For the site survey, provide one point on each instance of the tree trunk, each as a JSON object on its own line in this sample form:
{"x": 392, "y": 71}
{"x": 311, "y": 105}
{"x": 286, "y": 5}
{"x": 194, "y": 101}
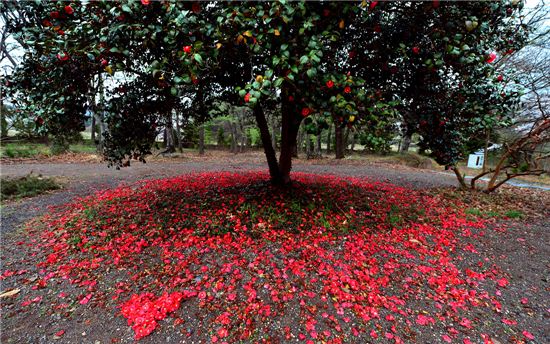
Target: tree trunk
{"x": 459, "y": 177}
{"x": 290, "y": 124}
{"x": 309, "y": 148}
{"x": 233, "y": 138}
{"x": 100, "y": 115}
{"x": 406, "y": 142}
{"x": 352, "y": 147}
{"x": 339, "y": 144}
{"x": 274, "y": 131}
{"x": 178, "y": 133}
{"x": 269, "y": 149}
{"x": 486, "y": 150}
{"x": 169, "y": 135}
{"x": 92, "y": 129}
{"x": 299, "y": 148}
{"x": 318, "y": 146}
{"x": 346, "y": 139}
{"x": 329, "y": 138}
{"x": 201, "y": 139}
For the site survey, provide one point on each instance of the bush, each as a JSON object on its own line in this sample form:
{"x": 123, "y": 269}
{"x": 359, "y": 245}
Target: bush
{"x": 414, "y": 160}
{"x": 26, "y": 186}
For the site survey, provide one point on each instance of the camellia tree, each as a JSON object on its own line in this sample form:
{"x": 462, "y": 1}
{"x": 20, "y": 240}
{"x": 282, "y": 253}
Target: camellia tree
{"x": 338, "y": 61}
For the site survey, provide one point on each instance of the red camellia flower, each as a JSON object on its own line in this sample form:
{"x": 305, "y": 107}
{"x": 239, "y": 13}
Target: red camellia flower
{"x": 373, "y": 5}
{"x": 416, "y": 50}
{"x": 196, "y": 8}
{"x": 63, "y": 56}
{"x": 145, "y": 2}
{"x": 39, "y": 120}
{"x": 187, "y": 49}
{"x": 347, "y": 89}
{"x": 46, "y": 22}
{"x": 247, "y": 97}
{"x": 306, "y": 112}
{"x": 290, "y": 98}
{"x": 104, "y": 62}
{"x": 69, "y": 9}
{"x": 492, "y": 57}
{"x": 54, "y": 14}
{"x": 500, "y": 78}
{"x": 330, "y": 84}
{"x": 435, "y": 3}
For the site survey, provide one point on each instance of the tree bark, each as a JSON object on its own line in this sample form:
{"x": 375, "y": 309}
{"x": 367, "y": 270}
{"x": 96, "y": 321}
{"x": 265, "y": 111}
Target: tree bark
{"x": 267, "y": 143}
{"x": 352, "y": 147}
{"x": 92, "y": 129}
{"x": 274, "y": 131}
{"x": 406, "y": 142}
{"x": 318, "y": 146}
{"x": 459, "y": 177}
{"x": 233, "y": 130}
{"x": 486, "y": 149}
{"x": 339, "y": 144}
{"x": 309, "y": 148}
{"x": 329, "y": 138}
{"x": 290, "y": 124}
{"x": 201, "y": 139}
{"x": 169, "y": 135}
{"x": 178, "y": 133}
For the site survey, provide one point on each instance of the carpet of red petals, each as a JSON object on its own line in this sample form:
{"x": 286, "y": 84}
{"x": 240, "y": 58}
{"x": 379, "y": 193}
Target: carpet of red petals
{"x": 228, "y": 257}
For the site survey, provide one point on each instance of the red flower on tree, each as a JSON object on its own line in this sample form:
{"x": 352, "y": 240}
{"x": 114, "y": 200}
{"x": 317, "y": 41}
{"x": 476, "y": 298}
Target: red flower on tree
{"x": 63, "y": 56}
{"x": 330, "y": 84}
{"x": 491, "y": 58}
{"x": 306, "y": 112}
{"x": 347, "y": 89}
{"x": 187, "y": 49}
{"x": 54, "y": 14}
{"x": 69, "y": 9}
{"x": 416, "y": 50}
{"x": 247, "y": 97}
{"x": 145, "y": 2}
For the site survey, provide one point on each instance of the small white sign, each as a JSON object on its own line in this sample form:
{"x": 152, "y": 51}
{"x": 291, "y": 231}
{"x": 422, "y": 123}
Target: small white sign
{"x": 475, "y": 161}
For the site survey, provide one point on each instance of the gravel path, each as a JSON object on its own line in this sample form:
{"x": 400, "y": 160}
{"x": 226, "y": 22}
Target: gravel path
{"x": 83, "y": 179}
{"x": 522, "y": 249}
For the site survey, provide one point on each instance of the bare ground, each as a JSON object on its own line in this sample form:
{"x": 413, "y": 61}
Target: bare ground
{"x": 522, "y": 250}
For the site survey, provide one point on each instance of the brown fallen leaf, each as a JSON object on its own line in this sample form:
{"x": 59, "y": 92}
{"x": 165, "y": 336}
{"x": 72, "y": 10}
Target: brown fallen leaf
{"x": 10, "y": 293}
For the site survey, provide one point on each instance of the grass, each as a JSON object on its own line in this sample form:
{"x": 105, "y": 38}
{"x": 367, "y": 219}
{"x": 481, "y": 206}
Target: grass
{"x": 27, "y": 186}
{"x": 34, "y": 150}
{"x": 512, "y": 214}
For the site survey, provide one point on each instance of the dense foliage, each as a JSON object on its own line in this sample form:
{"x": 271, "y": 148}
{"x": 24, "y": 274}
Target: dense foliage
{"x": 340, "y": 61}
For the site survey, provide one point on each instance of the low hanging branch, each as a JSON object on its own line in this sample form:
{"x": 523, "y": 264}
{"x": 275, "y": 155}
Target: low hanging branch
{"x": 518, "y": 159}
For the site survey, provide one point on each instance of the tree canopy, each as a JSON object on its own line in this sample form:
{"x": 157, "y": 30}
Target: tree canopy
{"x": 350, "y": 63}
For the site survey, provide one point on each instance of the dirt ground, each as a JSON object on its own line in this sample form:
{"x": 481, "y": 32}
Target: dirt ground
{"x": 522, "y": 250}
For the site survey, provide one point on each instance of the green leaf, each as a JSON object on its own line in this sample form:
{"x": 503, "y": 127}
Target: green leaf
{"x": 198, "y": 58}
{"x": 174, "y": 91}
{"x": 278, "y": 82}
{"x": 311, "y": 73}
{"x": 126, "y": 8}
{"x": 304, "y": 59}
{"x": 242, "y": 93}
